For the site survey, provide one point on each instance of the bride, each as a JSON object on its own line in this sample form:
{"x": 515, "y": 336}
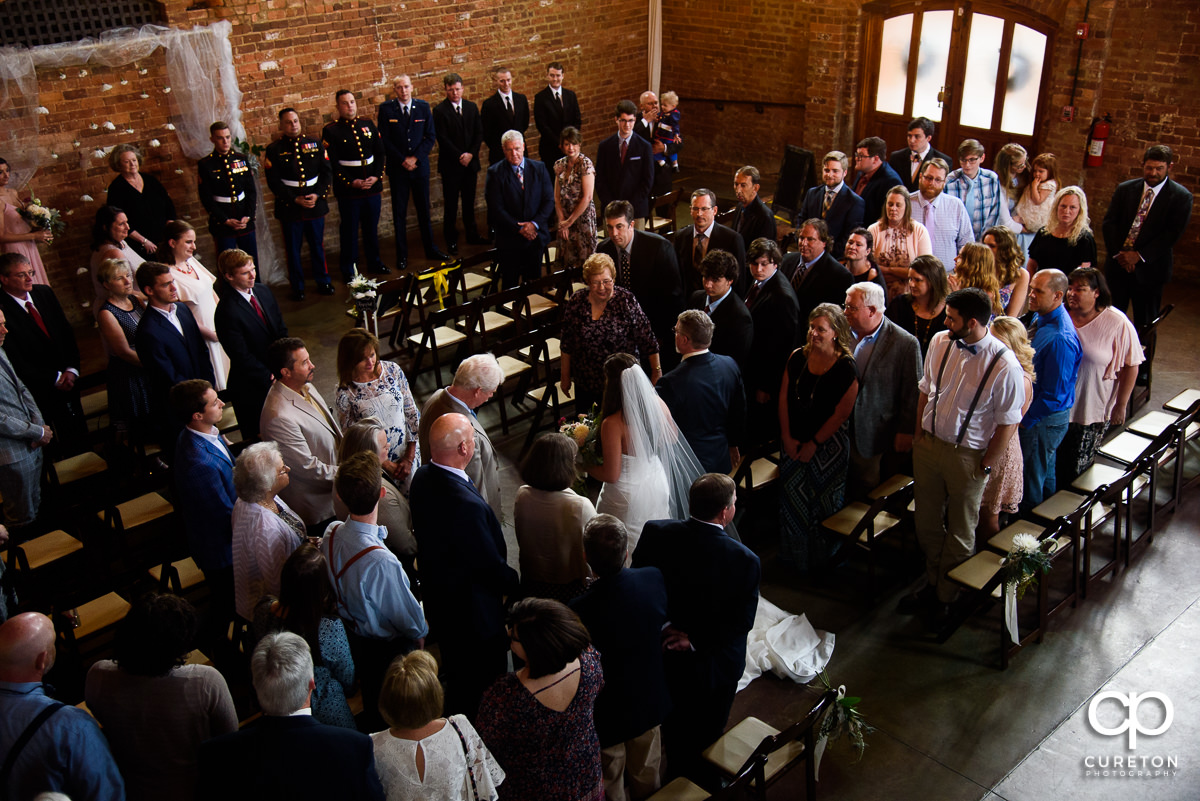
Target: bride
{"x": 648, "y": 467}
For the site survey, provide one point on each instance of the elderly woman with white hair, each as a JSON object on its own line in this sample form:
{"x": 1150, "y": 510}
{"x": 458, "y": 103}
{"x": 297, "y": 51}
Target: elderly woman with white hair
{"x": 475, "y": 381}
{"x": 265, "y": 530}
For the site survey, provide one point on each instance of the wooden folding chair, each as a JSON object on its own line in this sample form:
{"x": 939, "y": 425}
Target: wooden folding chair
{"x": 864, "y": 523}
{"x": 1148, "y": 334}
{"x": 668, "y": 204}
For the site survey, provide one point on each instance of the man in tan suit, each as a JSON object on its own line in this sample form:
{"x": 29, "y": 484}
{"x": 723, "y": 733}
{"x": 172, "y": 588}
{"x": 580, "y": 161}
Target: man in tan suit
{"x": 475, "y": 381}
{"x": 297, "y": 417}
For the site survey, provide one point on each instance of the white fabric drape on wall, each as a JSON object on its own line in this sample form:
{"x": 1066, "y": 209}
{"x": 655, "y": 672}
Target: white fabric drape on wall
{"x": 203, "y": 84}
{"x": 654, "y": 44}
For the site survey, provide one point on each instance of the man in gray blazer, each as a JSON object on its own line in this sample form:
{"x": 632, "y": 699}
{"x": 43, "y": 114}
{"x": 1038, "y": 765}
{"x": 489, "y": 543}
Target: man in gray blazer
{"x": 22, "y": 435}
{"x": 297, "y": 417}
{"x": 475, "y": 381}
{"x": 889, "y": 368}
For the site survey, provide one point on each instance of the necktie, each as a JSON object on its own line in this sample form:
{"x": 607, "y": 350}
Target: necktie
{"x": 37, "y": 317}
{"x": 508, "y": 105}
{"x": 699, "y": 249}
{"x": 624, "y": 270}
{"x": 558, "y": 100}
{"x": 972, "y": 349}
{"x": 928, "y": 220}
{"x": 708, "y": 308}
{"x": 916, "y": 165}
{"x": 753, "y": 293}
{"x": 1143, "y": 210}
{"x": 257, "y": 308}
{"x": 521, "y": 177}
{"x": 624, "y": 147}
{"x": 458, "y": 109}
{"x": 827, "y": 204}
{"x": 860, "y": 184}
{"x": 321, "y": 410}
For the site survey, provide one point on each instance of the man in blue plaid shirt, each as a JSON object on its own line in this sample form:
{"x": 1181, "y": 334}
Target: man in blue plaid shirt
{"x": 977, "y": 188}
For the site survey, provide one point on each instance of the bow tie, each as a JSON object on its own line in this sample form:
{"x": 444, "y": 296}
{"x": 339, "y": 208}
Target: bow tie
{"x": 972, "y": 349}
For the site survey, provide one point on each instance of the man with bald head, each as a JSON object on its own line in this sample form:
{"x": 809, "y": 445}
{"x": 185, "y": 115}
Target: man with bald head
{"x": 51, "y": 746}
{"x": 464, "y": 569}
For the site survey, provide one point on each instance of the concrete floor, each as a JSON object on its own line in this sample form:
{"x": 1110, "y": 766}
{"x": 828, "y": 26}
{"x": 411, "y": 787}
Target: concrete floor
{"x": 949, "y": 724}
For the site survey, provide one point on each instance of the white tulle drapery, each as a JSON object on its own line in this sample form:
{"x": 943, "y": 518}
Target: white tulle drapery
{"x": 203, "y": 85}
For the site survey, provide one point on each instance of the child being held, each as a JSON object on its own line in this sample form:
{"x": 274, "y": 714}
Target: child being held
{"x": 667, "y": 130}
{"x": 1033, "y": 209}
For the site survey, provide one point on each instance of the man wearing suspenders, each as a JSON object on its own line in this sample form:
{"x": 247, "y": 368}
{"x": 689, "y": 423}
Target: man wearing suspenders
{"x": 969, "y": 406}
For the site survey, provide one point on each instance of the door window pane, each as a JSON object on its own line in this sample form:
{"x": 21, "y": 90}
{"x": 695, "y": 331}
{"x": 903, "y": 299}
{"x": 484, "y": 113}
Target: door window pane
{"x": 983, "y": 60}
{"x": 1024, "y": 80}
{"x": 932, "y": 59}
{"x": 893, "y": 64}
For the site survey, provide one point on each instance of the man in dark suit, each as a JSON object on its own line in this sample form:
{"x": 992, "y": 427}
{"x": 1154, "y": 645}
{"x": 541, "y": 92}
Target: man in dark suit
{"x": 273, "y": 758}
{"x": 22, "y": 437}
{"x": 625, "y": 164}
{"x": 1139, "y": 241}
{"x": 464, "y": 569}
{"x": 705, "y": 394}
{"x": 834, "y": 202}
{"x": 907, "y": 161}
{"x": 406, "y": 125}
{"x": 459, "y": 135}
{"x": 888, "y": 359}
{"x": 694, "y": 242}
{"x": 712, "y": 597}
{"x": 504, "y": 111}
{"x": 554, "y": 108}
{"x": 648, "y": 111}
{"x": 874, "y": 178}
{"x": 625, "y": 610}
{"x": 646, "y": 266}
{"x": 816, "y": 276}
{"x": 41, "y": 346}
{"x": 520, "y": 200}
{"x": 776, "y": 312}
{"x": 247, "y": 322}
{"x": 734, "y": 332}
{"x": 753, "y": 219}
{"x": 204, "y": 496}
{"x": 170, "y": 347}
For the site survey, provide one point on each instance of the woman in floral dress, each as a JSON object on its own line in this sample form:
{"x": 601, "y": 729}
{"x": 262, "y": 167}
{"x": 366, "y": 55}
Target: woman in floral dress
{"x": 574, "y": 184}
{"x": 369, "y": 387}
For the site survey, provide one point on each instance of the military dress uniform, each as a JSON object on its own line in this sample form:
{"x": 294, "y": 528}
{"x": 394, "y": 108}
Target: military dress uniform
{"x": 229, "y": 191}
{"x": 298, "y": 167}
{"x": 406, "y": 135}
{"x": 355, "y": 151}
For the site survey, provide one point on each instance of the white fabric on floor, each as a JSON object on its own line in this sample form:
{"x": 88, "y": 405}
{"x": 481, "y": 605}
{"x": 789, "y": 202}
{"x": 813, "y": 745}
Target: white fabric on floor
{"x": 786, "y": 645}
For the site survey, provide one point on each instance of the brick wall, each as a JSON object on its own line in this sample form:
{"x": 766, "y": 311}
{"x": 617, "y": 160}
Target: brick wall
{"x": 1141, "y": 64}
{"x": 294, "y": 53}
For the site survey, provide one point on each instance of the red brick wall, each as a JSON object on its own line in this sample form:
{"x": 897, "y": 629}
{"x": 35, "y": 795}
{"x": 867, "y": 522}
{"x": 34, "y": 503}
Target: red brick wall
{"x": 298, "y": 54}
{"x": 1141, "y": 64}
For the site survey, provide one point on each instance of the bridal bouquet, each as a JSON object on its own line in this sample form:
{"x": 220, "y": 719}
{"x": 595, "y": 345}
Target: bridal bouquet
{"x": 585, "y": 430}
{"x": 41, "y": 218}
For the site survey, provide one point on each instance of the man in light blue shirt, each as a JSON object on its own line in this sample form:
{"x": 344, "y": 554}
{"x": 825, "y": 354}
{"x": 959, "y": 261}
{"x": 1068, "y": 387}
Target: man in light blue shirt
{"x": 374, "y": 600}
{"x": 65, "y": 752}
{"x": 941, "y": 213}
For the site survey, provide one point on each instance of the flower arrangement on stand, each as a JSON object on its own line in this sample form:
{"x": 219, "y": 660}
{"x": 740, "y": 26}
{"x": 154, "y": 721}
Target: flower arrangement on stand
{"x": 42, "y": 218}
{"x": 364, "y": 293}
{"x": 585, "y": 430}
{"x": 1028, "y": 559}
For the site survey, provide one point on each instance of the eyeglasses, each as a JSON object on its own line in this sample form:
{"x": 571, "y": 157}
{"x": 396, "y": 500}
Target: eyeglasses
{"x": 851, "y": 309}
{"x": 603, "y": 284}
{"x": 701, "y": 208}
{"x": 283, "y": 471}
{"x": 26, "y": 274}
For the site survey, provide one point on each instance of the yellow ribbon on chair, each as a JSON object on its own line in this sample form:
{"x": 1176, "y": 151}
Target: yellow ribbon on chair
{"x": 441, "y": 284}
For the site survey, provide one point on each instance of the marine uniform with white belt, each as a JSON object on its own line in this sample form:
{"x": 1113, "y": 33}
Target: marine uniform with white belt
{"x": 356, "y": 154}
{"x": 229, "y": 192}
{"x": 298, "y": 174}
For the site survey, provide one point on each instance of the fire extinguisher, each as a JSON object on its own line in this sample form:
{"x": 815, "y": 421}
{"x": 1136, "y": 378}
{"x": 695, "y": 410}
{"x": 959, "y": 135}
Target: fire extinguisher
{"x": 1097, "y": 136}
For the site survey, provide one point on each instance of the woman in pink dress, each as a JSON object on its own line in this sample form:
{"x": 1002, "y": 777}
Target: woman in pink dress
{"x": 195, "y": 285}
{"x": 16, "y": 235}
{"x": 1005, "y": 485}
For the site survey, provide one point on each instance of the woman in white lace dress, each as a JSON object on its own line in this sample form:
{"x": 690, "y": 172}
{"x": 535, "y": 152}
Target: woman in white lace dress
{"x": 648, "y": 466}
{"x": 423, "y": 755}
{"x": 370, "y": 387}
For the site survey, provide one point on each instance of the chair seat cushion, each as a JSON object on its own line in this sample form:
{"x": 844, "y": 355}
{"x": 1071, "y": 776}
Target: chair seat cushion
{"x": 735, "y": 746}
{"x": 1003, "y": 540}
{"x": 442, "y": 336}
{"x": 977, "y": 571}
{"x": 891, "y": 486}
{"x": 142, "y": 510}
{"x": 1125, "y": 448}
{"x": 1182, "y": 401}
{"x": 1151, "y": 424}
{"x": 50, "y": 547}
{"x": 189, "y": 572}
{"x": 101, "y": 613}
{"x": 681, "y": 789}
{"x": 845, "y": 520}
{"x": 79, "y": 467}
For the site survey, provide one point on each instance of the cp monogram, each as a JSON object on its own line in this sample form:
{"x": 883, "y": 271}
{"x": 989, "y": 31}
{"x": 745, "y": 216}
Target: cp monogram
{"x": 1132, "y": 723}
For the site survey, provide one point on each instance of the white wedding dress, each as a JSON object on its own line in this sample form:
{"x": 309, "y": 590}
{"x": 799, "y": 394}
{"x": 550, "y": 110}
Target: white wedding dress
{"x": 659, "y": 469}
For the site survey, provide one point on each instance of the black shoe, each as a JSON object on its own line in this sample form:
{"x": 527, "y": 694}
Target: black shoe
{"x": 379, "y": 268}
{"x": 478, "y": 240}
{"x": 437, "y": 255}
{"x": 326, "y": 289}
{"x": 401, "y": 265}
{"x": 452, "y": 247}
{"x": 917, "y": 602}
{"x": 297, "y": 294}
{"x": 1143, "y": 379}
